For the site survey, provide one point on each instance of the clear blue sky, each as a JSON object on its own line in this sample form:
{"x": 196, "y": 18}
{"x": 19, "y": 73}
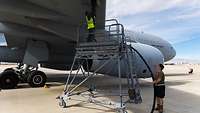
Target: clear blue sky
{"x": 177, "y": 21}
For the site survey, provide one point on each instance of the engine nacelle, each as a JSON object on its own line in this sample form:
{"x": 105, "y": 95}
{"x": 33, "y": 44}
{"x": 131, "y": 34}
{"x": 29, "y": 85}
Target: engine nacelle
{"x": 151, "y": 55}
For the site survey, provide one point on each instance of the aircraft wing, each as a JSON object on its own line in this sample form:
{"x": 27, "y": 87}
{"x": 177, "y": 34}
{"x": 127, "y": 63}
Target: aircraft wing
{"x": 45, "y": 32}
{"x": 57, "y": 22}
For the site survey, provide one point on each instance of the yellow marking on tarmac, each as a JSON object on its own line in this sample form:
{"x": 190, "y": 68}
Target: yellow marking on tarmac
{"x": 46, "y": 86}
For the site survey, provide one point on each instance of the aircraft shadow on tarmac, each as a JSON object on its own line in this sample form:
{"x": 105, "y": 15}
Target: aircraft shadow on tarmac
{"x": 83, "y": 104}
{"x": 178, "y": 74}
{"x": 168, "y": 83}
{"x": 104, "y": 83}
{"x": 54, "y": 80}
{"x": 104, "y": 87}
{"x": 188, "y": 100}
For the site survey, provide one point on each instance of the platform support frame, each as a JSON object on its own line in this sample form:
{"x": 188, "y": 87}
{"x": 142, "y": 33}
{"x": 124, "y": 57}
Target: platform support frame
{"x": 85, "y": 51}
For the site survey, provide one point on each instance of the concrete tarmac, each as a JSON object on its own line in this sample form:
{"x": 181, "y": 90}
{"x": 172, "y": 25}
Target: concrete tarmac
{"x": 182, "y": 94}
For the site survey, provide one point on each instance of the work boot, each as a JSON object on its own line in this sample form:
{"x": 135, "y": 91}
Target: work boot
{"x": 161, "y": 109}
{"x": 158, "y": 107}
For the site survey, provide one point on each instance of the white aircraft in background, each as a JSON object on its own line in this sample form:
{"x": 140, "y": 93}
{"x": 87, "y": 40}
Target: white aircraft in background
{"x": 45, "y": 32}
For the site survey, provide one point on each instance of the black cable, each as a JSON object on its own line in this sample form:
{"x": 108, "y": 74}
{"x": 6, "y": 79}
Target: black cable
{"x": 154, "y": 98}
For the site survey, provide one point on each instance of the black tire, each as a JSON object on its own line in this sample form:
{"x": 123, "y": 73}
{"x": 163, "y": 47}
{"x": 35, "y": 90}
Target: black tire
{"x": 9, "y": 69}
{"x": 37, "y": 79}
{"x": 9, "y": 80}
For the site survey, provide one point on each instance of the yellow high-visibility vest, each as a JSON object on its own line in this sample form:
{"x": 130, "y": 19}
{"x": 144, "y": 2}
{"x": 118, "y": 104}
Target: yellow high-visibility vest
{"x": 90, "y": 23}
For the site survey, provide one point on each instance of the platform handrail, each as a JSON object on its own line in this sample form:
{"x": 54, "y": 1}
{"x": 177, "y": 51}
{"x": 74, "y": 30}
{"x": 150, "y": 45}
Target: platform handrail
{"x": 112, "y": 20}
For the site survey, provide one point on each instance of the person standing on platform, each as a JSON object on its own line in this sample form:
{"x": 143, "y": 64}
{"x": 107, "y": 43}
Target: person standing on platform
{"x": 90, "y": 19}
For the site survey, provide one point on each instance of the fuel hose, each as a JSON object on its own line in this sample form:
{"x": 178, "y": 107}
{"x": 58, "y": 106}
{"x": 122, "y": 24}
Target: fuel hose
{"x": 152, "y": 76}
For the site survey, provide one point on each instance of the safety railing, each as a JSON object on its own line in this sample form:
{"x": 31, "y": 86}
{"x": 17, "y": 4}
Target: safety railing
{"x": 111, "y": 47}
{"x": 113, "y": 32}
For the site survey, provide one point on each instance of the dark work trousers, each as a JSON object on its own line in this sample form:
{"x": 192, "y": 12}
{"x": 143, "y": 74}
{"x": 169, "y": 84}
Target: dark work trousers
{"x": 91, "y": 35}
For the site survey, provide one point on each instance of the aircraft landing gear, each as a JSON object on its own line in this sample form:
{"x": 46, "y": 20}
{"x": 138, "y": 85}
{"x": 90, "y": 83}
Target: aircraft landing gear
{"x": 37, "y": 79}
{"x": 9, "y": 69}
{"x": 10, "y": 77}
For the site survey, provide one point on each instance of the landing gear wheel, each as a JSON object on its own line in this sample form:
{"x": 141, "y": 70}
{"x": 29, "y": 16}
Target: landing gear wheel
{"x": 37, "y": 79}
{"x": 9, "y": 79}
{"x": 9, "y": 69}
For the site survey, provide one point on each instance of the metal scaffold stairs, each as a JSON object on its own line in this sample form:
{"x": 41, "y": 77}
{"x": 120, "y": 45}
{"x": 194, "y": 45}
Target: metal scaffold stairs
{"x": 112, "y": 45}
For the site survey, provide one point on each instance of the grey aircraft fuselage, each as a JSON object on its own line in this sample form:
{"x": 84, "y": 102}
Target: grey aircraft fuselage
{"x": 56, "y": 24}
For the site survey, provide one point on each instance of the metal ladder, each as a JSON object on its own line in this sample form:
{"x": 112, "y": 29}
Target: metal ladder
{"x": 114, "y": 48}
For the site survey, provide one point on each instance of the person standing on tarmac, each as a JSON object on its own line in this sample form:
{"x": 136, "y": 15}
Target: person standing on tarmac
{"x": 159, "y": 87}
{"x": 90, "y": 19}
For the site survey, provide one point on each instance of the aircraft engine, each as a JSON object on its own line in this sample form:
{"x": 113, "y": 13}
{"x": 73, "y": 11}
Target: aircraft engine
{"x": 149, "y": 54}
